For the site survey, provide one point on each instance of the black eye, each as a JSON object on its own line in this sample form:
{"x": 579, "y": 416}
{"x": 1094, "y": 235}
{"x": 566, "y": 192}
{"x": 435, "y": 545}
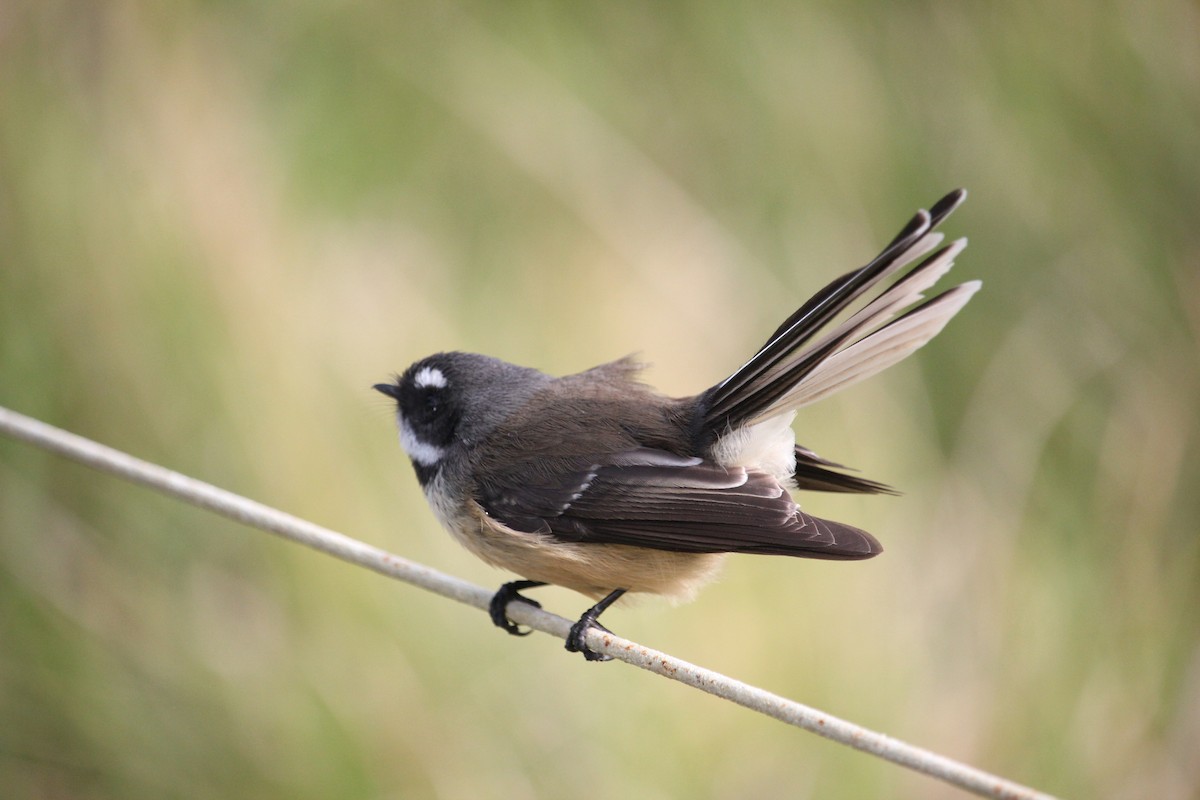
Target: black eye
{"x": 432, "y": 403}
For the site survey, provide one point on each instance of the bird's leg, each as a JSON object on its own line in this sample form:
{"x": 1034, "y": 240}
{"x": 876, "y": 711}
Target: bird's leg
{"x": 577, "y": 638}
{"x": 505, "y": 595}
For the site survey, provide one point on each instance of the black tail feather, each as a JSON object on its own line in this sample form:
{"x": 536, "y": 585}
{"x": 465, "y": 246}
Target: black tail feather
{"x": 745, "y": 393}
{"x": 814, "y": 474}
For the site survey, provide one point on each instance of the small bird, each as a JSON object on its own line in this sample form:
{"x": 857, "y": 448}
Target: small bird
{"x": 598, "y": 483}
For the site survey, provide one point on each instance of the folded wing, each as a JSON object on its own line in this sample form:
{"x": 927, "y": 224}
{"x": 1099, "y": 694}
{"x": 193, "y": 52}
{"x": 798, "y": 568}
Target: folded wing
{"x": 651, "y": 498}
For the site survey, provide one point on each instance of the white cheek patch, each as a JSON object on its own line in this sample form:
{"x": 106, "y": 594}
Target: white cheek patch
{"x": 419, "y": 450}
{"x": 429, "y": 376}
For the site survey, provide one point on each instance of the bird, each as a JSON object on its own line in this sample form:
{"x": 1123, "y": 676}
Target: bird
{"x": 596, "y": 482}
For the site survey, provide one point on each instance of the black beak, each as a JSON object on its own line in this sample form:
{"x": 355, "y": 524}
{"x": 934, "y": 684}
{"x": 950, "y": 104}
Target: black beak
{"x": 390, "y": 389}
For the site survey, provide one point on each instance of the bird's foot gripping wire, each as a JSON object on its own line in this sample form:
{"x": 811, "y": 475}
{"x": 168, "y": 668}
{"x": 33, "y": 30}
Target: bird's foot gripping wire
{"x": 577, "y": 638}
{"x": 498, "y": 608}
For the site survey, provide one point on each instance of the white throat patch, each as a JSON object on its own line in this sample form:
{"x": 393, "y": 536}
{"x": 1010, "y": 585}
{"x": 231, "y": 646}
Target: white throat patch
{"x": 418, "y": 450}
{"x": 429, "y": 376}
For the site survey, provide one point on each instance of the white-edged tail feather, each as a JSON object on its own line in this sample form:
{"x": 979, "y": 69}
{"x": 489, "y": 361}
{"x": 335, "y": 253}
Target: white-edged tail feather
{"x": 843, "y": 334}
{"x": 876, "y": 352}
{"x": 875, "y": 339}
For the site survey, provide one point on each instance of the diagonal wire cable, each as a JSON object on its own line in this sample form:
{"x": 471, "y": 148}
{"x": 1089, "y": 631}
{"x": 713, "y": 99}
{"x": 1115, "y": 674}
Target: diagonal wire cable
{"x": 263, "y": 517}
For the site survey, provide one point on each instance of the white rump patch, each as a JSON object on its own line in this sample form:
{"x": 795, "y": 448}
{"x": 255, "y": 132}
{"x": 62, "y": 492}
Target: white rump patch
{"x": 430, "y": 376}
{"x": 768, "y": 446}
{"x": 418, "y": 450}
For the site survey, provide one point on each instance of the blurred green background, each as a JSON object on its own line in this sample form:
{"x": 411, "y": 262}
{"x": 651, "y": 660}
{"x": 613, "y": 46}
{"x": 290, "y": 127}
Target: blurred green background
{"x": 220, "y": 222}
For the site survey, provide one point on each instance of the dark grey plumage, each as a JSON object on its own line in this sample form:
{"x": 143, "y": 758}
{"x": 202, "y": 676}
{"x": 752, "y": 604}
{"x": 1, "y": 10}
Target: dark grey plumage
{"x": 595, "y": 482}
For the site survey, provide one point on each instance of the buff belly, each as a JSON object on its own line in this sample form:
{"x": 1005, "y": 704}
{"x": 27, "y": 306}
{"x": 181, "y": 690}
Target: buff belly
{"x": 590, "y": 569}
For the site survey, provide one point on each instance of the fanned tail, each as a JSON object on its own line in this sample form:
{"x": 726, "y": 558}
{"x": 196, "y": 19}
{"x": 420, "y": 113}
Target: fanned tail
{"x": 800, "y": 364}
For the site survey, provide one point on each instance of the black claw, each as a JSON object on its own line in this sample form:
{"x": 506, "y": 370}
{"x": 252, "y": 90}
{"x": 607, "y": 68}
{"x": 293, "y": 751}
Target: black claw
{"x": 510, "y": 591}
{"x": 577, "y": 638}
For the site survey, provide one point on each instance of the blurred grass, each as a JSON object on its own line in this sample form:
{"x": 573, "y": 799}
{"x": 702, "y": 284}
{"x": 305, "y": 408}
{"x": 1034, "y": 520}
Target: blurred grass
{"x": 220, "y": 222}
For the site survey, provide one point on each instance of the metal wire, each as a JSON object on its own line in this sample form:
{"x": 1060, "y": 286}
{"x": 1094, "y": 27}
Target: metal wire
{"x": 257, "y": 515}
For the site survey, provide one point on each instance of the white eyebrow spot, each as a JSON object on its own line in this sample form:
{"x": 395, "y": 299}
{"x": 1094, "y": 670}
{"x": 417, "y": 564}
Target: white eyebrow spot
{"x": 429, "y": 376}
{"x": 418, "y": 449}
